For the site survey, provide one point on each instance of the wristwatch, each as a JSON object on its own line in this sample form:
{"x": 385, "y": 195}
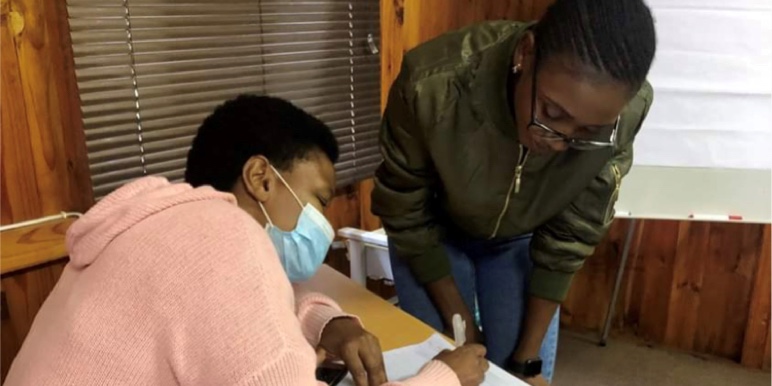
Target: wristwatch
{"x": 527, "y": 369}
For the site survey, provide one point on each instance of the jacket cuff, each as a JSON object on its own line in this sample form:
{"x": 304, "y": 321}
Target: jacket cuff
{"x": 550, "y": 285}
{"x": 431, "y": 266}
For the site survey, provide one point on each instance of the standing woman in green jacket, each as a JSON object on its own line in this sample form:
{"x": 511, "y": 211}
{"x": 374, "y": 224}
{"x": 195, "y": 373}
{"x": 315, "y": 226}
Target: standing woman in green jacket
{"x": 504, "y": 147}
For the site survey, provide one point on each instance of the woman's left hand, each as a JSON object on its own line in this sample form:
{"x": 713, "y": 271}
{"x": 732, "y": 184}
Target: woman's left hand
{"x": 360, "y": 351}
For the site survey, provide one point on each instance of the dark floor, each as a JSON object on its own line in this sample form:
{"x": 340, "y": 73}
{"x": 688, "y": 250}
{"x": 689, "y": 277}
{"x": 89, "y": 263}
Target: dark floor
{"x": 581, "y": 362}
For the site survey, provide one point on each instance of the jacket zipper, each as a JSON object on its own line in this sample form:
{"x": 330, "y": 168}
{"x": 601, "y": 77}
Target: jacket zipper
{"x": 617, "y": 187}
{"x": 513, "y": 186}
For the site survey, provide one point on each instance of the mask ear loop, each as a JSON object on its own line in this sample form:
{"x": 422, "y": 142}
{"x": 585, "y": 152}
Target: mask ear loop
{"x": 288, "y": 187}
{"x": 265, "y": 213}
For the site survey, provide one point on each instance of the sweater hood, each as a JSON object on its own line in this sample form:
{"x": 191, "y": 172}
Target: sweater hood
{"x": 126, "y": 207}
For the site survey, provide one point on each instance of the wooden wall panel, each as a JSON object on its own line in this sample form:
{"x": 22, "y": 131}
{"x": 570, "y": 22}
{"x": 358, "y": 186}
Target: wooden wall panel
{"x": 731, "y": 265}
{"x": 756, "y": 345}
{"x": 408, "y": 23}
{"x": 351, "y": 208}
{"x": 650, "y": 273}
{"x": 699, "y": 287}
{"x": 343, "y": 210}
{"x": 685, "y": 287}
{"x": 588, "y": 307}
{"x": 392, "y": 44}
{"x": 368, "y": 221}
{"x": 44, "y": 164}
{"x": 15, "y": 160}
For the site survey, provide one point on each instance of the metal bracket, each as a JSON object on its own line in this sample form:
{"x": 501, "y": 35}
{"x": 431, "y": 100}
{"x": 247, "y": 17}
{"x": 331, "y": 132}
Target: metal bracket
{"x": 372, "y": 44}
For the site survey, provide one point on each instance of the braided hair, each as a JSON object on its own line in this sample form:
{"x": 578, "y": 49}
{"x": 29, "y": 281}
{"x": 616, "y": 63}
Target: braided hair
{"x": 615, "y": 38}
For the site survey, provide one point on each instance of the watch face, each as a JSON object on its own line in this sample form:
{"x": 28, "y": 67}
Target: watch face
{"x": 532, "y": 368}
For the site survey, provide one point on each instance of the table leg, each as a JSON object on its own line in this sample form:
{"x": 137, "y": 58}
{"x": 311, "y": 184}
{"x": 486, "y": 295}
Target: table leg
{"x": 357, "y": 263}
{"x": 618, "y": 282}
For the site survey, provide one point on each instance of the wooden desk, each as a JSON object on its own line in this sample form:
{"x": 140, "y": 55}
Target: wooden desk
{"x": 393, "y": 327}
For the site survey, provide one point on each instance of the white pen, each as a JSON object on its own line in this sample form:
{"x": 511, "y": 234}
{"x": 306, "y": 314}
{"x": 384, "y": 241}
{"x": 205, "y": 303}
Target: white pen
{"x": 459, "y": 330}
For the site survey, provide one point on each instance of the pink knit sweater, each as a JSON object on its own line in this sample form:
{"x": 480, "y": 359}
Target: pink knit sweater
{"x": 169, "y": 285}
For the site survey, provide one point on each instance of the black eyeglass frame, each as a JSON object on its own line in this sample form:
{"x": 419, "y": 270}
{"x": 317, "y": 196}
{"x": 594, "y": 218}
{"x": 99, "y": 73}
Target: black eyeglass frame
{"x": 545, "y": 131}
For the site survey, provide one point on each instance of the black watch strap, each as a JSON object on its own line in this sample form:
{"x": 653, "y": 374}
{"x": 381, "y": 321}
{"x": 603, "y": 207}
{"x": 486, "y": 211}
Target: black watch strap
{"x": 527, "y": 369}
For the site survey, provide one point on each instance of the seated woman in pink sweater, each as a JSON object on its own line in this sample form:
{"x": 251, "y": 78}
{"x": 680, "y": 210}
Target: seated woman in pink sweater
{"x": 173, "y": 284}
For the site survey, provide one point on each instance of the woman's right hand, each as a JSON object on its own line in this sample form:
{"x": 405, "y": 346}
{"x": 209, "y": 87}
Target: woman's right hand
{"x": 468, "y": 362}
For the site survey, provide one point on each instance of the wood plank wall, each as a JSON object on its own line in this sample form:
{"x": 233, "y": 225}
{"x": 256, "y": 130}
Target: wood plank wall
{"x": 698, "y": 287}
{"x": 44, "y": 168}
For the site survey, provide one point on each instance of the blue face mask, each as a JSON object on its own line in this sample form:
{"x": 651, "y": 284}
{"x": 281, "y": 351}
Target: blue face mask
{"x": 302, "y": 250}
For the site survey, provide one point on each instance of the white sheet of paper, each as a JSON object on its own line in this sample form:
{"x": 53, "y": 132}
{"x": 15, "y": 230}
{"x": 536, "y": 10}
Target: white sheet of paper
{"x": 405, "y": 362}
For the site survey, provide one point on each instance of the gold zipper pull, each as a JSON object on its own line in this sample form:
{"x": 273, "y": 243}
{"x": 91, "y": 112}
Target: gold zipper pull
{"x": 617, "y": 178}
{"x": 522, "y": 159}
{"x": 513, "y": 186}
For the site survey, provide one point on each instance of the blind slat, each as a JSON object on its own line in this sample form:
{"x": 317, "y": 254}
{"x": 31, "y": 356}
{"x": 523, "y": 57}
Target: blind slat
{"x": 303, "y": 78}
{"x": 92, "y": 39}
{"x": 219, "y": 68}
{"x": 101, "y": 168}
{"x": 172, "y": 95}
{"x": 360, "y": 147}
{"x": 153, "y": 61}
{"x": 160, "y": 119}
{"x": 112, "y": 151}
{"x": 364, "y": 141}
{"x": 371, "y": 157}
{"x": 190, "y": 46}
{"x": 351, "y": 174}
{"x": 308, "y": 95}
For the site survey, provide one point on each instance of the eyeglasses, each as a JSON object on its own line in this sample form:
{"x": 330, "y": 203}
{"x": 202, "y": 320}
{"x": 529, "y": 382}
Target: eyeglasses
{"x": 544, "y": 131}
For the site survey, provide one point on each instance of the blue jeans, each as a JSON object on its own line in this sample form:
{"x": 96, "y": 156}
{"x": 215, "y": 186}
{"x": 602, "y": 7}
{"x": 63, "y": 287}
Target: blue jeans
{"x": 493, "y": 276}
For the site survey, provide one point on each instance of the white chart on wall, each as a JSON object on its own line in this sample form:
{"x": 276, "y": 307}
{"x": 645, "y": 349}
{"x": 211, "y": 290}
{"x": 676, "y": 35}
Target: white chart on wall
{"x": 706, "y": 147}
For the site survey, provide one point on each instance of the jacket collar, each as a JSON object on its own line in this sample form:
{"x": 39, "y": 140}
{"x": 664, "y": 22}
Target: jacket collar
{"x": 489, "y": 81}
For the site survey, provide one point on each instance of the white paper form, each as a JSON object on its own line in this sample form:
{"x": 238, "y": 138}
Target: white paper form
{"x": 405, "y": 362}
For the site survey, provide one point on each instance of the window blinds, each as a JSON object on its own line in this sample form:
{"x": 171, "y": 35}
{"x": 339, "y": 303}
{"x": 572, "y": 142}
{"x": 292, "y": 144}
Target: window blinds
{"x": 150, "y": 71}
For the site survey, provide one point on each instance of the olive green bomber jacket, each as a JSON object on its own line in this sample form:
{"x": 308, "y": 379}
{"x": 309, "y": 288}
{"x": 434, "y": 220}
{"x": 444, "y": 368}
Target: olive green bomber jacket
{"x": 452, "y": 160}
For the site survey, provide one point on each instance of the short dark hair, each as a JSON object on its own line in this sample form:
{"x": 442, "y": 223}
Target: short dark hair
{"x": 251, "y": 125}
{"x": 614, "y": 37}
